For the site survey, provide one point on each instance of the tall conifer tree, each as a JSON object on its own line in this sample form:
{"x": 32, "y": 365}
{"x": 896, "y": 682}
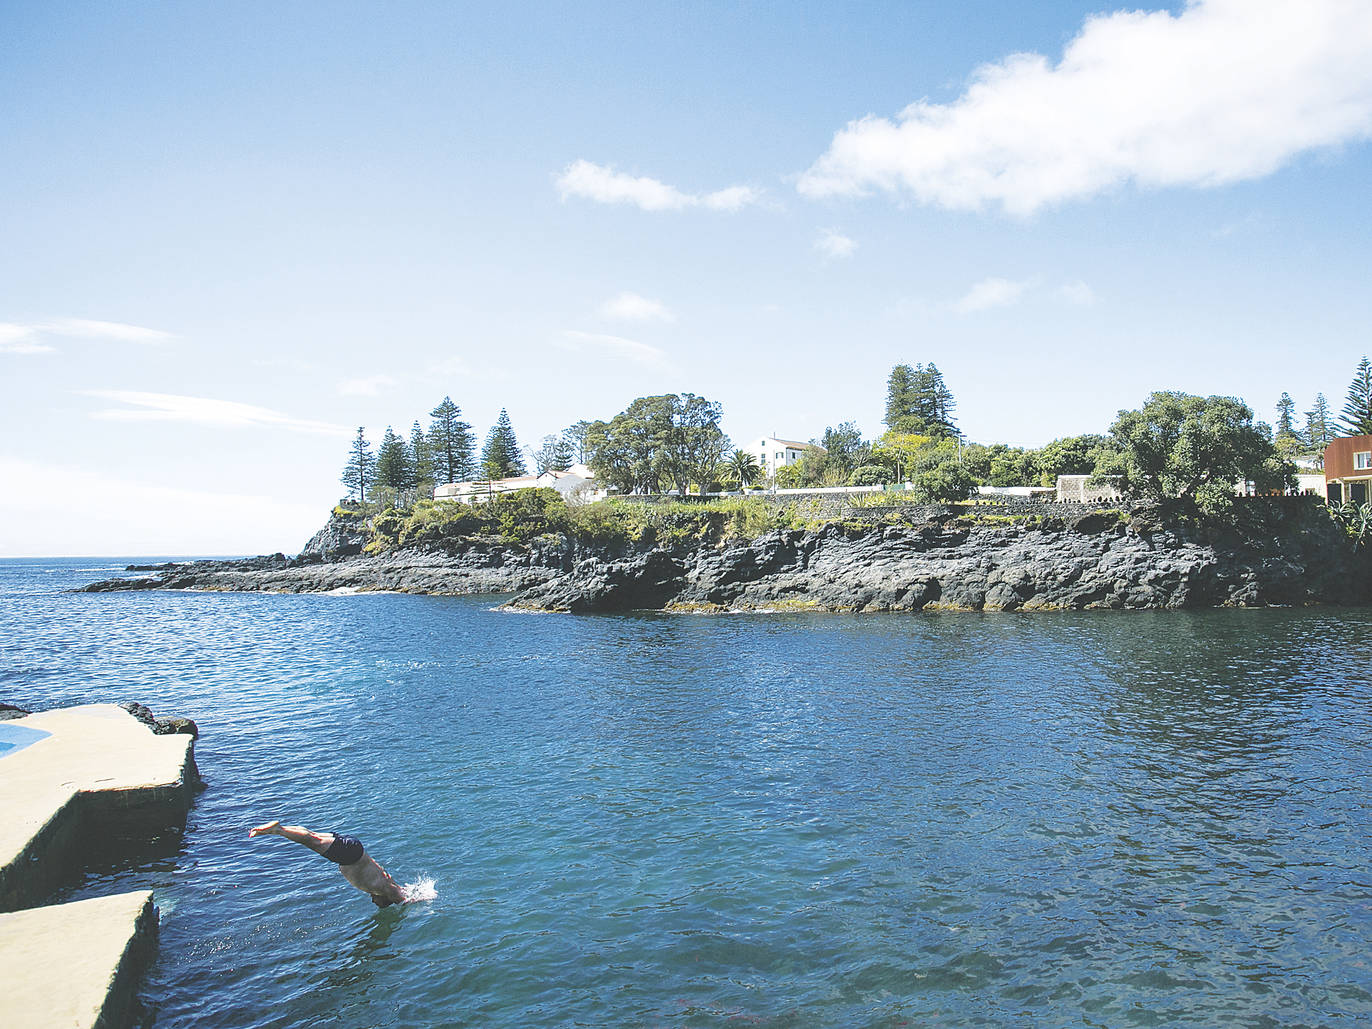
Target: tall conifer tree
{"x": 357, "y": 474}
{"x": 392, "y": 466}
{"x": 421, "y": 463}
{"x": 450, "y": 443}
{"x": 1286, "y": 410}
{"x": 500, "y": 457}
{"x": 1319, "y": 426}
{"x": 1357, "y": 408}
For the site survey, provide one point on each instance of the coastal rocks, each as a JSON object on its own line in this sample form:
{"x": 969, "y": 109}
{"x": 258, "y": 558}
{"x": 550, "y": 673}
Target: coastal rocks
{"x": 482, "y": 565}
{"x": 1095, "y": 561}
{"x": 169, "y": 725}
{"x": 343, "y": 535}
{"x": 8, "y": 712}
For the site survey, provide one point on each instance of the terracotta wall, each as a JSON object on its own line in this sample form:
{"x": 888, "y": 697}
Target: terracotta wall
{"x": 1338, "y": 457}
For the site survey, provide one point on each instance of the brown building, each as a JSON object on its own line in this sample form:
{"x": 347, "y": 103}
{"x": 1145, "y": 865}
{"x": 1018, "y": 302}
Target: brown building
{"x": 1348, "y": 470}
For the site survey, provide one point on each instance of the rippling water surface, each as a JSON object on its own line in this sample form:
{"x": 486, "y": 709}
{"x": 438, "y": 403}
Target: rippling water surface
{"x": 780, "y": 820}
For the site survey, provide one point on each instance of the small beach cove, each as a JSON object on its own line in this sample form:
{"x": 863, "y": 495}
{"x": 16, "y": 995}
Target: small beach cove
{"x": 792, "y": 818}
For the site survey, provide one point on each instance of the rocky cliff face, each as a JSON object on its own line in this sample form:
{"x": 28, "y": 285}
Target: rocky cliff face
{"x": 1283, "y": 553}
{"x": 342, "y": 536}
{"x": 1096, "y": 561}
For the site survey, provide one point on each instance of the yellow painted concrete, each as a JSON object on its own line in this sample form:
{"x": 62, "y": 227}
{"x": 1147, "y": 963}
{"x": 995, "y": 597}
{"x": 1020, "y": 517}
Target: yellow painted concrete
{"x": 73, "y": 966}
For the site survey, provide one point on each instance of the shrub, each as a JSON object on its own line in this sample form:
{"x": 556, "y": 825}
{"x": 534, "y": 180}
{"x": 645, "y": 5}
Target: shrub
{"x": 869, "y": 475}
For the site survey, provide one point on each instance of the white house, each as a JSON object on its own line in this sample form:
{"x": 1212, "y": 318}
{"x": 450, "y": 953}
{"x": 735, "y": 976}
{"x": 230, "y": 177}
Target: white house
{"x": 772, "y": 453}
{"x": 576, "y": 485}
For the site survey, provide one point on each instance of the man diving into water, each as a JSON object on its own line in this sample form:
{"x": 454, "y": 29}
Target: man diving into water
{"x": 357, "y": 866}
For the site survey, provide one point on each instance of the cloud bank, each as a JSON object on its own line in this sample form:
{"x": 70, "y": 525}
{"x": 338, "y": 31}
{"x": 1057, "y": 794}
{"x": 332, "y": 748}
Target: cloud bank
{"x": 604, "y": 185}
{"x": 616, "y": 346}
{"x": 834, "y": 244}
{"x": 1225, "y": 91}
{"x": 169, "y": 407}
{"x": 630, "y": 307}
{"x": 26, "y": 339}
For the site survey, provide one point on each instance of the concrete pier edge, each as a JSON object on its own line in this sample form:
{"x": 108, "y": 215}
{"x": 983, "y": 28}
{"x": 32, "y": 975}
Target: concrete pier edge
{"x": 98, "y": 774}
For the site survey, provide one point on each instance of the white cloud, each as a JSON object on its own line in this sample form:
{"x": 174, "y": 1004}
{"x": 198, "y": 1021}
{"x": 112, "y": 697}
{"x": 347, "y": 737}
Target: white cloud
{"x": 25, "y": 339}
{"x": 369, "y": 386}
{"x": 604, "y": 185}
{"x": 989, "y": 293}
{"x": 19, "y": 339}
{"x": 832, "y": 243}
{"x": 1077, "y": 293}
{"x": 168, "y": 407}
{"x": 1225, "y": 91}
{"x": 118, "y": 331}
{"x": 631, "y": 307}
{"x": 138, "y": 518}
{"x": 616, "y": 346}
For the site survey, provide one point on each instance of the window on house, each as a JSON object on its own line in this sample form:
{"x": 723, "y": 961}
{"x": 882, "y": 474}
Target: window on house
{"x": 1362, "y": 459}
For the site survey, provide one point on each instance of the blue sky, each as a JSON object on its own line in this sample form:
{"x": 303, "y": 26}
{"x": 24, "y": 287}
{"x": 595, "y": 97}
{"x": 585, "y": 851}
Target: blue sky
{"x": 236, "y": 232}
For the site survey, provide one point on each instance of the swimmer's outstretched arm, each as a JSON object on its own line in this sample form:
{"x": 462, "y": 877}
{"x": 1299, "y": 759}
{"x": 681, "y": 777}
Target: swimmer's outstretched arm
{"x": 317, "y": 842}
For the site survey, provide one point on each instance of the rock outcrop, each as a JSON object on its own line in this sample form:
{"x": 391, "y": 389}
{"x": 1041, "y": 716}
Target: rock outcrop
{"x": 483, "y": 565}
{"x": 343, "y": 535}
{"x": 1286, "y": 551}
{"x": 1096, "y": 561}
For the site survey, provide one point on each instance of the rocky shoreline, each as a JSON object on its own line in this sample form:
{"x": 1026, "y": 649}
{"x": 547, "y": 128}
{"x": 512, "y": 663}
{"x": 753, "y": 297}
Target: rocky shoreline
{"x": 935, "y": 558}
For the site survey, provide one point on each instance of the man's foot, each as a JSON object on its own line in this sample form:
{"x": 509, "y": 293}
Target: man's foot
{"x": 270, "y": 829}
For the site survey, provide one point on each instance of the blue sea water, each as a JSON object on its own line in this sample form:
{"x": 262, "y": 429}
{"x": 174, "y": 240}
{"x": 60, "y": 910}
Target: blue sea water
{"x": 1099, "y": 819}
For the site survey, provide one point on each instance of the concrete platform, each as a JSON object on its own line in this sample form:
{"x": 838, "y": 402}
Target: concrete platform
{"x": 100, "y": 771}
{"x": 75, "y": 965}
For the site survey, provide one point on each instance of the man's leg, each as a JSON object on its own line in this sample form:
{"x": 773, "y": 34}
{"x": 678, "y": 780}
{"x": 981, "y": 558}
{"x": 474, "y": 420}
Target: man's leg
{"x": 317, "y": 842}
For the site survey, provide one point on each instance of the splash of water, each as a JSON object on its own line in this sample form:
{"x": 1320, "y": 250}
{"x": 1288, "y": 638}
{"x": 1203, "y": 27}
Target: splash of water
{"x": 421, "y": 890}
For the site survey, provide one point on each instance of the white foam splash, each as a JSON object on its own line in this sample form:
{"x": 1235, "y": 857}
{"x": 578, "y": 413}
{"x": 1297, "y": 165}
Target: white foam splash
{"x": 421, "y": 890}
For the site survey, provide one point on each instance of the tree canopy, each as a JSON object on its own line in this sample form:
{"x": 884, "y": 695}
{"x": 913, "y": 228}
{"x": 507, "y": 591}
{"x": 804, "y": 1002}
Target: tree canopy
{"x": 671, "y": 439}
{"x": 450, "y": 443}
{"x": 392, "y": 465}
{"x": 357, "y": 473}
{"x": 919, "y": 402}
{"x": 1319, "y": 425}
{"x": 1190, "y": 448}
{"x": 500, "y": 457}
{"x": 1286, "y": 417}
{"x": 1357, "y": 408}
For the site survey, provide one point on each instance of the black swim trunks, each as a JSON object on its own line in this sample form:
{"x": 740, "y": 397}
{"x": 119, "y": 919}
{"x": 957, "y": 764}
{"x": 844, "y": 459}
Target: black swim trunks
{"x": 344, "y": 850}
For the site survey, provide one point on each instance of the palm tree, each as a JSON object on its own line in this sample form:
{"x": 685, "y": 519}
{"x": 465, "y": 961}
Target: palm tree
{"x": 743, "y": 467}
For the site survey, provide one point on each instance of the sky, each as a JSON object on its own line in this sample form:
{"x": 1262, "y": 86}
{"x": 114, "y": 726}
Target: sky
{"x": 233, "y": 233}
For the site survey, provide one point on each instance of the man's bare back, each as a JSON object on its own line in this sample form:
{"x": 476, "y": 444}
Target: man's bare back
{"x": 357, "y": 866}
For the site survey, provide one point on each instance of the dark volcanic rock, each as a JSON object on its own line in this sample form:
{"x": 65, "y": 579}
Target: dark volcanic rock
{"x": 1285, "y": 552}
{"x": 9, "y": 712}
{"x": 483, "y": 565}
{"x": 342, "y": 536}
{"x": 1095, "y": 561}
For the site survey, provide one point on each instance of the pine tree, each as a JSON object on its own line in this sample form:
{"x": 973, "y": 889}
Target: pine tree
{"x": 421, "y": 463}
{"x": 500, "y": 458}
{"x": 900, "y": 389}
{"x": 392, "y": 466}
{"x": 450, "y": 443}
{"x": 1357, "y": 409}
{"x": 918, "y": 401}
{"x": 1319, "y": 429}
{"x": 940, "y": 402}
{"x": 1286, "y": 409}
{"x": 357, "y": 474}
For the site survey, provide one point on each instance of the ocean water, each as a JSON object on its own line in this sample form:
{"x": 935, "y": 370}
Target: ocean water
{"x": 1098, "y": 819}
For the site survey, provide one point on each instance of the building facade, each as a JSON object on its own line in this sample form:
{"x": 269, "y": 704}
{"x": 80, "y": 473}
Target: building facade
{"x": 1348, "y": 470}
{"x": 576, "y": 485}
{"x": 772, "y": 453}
